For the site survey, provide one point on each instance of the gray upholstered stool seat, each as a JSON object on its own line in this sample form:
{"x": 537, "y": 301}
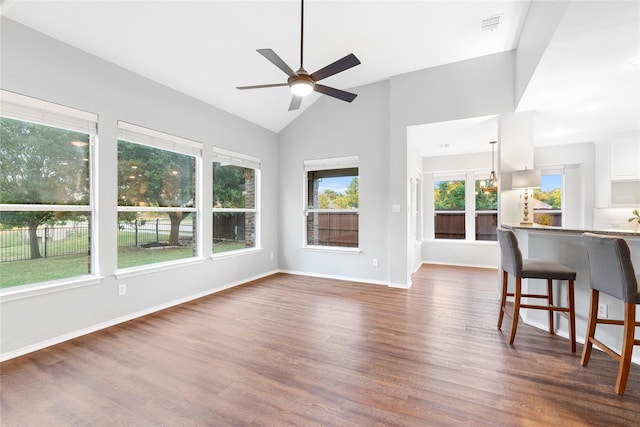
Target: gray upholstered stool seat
{"x": 611, "y": 272}
{"x": 519, "y": 268}
{"x": 538, "y": 269}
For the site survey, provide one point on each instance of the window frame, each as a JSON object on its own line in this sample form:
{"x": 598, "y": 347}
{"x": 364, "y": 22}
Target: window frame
{"x": 327, "y": 164}
{"x": 151, "y": 138}
{"x": 221, "y": 155}
{"x": 470, "y": 178}
{"x": 24, "y": 108}
{"x": 551, "y": 170}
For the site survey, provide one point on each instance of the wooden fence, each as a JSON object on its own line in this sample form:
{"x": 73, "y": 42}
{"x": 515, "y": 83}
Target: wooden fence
{"x": 333, "y": 229}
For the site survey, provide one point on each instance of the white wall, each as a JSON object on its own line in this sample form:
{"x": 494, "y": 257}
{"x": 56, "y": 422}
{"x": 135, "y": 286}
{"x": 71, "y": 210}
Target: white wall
{"x": 542, "y": 21}
{"x": 333, "y": 128}
{"x": 455, "y": 252}
{"x": 473, "y": 88}
{"x": 38, "y": 66}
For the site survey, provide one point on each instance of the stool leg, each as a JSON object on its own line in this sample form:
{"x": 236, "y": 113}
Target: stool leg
{"x": 503, "y": 298}
{"x": 627, "y": 347}
{"x": 550, "y": 302}
{"x": 572, "y": 315}
{"x": 516, "y": 309}
{"x": 591, "y": 327}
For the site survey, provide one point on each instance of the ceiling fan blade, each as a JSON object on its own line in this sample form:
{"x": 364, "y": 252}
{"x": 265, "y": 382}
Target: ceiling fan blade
{"x": 338, "y": 66}
{"x": 277, "y": 61}
{"x": 295, "y": 103}
{"x": 336, "y": 93}
{"x": 262, "y": 86}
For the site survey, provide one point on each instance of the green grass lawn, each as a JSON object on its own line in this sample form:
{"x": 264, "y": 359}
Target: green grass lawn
{"x": 16, "y": 273}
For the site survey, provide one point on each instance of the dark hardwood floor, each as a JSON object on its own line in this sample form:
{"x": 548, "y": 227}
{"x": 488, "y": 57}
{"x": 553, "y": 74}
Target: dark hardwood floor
{"x": 293, "y": 350}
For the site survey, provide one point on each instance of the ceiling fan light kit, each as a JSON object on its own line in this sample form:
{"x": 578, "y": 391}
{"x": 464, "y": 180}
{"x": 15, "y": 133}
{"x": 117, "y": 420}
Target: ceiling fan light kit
{"x": 302, "y": 83}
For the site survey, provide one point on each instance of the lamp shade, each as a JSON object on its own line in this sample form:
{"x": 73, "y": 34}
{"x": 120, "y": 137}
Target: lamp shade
{"x": 527, "y": 178}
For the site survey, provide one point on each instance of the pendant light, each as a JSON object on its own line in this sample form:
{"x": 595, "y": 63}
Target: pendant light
{"x": 491, "y": 185}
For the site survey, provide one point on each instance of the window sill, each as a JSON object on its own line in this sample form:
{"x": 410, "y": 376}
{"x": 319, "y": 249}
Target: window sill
{"x": 462, "y": 242}
{"x": 231, "y": 254}
{"x": 333, "y": 249}
{"x": 32, "y": 290}
{"x": 145, "y": 269}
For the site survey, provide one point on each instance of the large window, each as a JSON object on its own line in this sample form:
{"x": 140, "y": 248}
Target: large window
{"x": 45, "y": 191}
{"x": 235, "y": 201}
{"x": 464, "y": 209}
{"x": 547, "y": 200}
{"x": 157, "y": 198}
{"x": 449, "y": 207}
{"x": 332, "y": 202}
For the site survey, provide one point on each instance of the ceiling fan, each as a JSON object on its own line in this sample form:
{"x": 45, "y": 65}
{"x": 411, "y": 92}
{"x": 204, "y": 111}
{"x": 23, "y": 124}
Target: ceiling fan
{"x": 303, "y": 83}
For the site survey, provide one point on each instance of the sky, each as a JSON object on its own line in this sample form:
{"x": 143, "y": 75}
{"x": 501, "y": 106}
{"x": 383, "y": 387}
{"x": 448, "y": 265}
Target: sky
{"x": 338, "y": 184}
{"x": 551, "y": 182}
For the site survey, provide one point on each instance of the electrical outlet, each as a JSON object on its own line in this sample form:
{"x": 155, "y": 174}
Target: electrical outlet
{"x": 122, "y": 289}
{"x": 375, "y": 262}
{"x": 602, "y": 310}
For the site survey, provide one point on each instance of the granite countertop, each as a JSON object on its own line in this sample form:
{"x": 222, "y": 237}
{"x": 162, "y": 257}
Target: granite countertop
{"x": 538, "y": 227}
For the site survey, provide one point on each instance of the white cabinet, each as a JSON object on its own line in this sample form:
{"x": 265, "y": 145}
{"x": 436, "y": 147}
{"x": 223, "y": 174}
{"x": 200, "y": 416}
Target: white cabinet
{"x": 624, "y": 160}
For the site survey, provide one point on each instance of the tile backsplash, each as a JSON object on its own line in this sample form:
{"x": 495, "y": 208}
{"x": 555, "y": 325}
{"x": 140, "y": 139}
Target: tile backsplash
{"x": 614, "y": 219}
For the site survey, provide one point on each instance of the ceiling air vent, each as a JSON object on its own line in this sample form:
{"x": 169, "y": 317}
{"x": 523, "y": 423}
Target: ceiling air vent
{"x": 490, "y": 23}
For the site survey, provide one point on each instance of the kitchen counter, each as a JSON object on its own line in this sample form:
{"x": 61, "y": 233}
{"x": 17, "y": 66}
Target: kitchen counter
{"x": 565, "y": 245}
{"x": 537, "y": 227}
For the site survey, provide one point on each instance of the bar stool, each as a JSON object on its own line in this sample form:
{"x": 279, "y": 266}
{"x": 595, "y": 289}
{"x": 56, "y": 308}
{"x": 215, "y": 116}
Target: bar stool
{"x": 512, "y": 263}
{"x": 611, "y": 272}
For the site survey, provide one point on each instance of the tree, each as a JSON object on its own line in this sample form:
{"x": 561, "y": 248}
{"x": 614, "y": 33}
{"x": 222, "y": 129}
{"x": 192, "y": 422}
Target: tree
{"x": 552, "y": 198}
{"x": 41, "y": 165}
{"x": 352, "y": 193}
{"x": 228, "y": 186}
{"x": 449, "y": 195}
{"x": 485, "y": 200}
{"x": 150, "y": 176}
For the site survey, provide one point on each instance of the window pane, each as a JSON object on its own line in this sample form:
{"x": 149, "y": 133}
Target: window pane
{"x": 486, "y": 213}
{"x": 150, "y": 176}
{"x": 449, "y": 204}
{"x": 332, "y": 229}
{"x": 43, "y": 165}
{"x": 153, "y": 237}
{"x": 233, "y": 231}
{"x": 40, "y": 246}
{"x": 233, "y": 187}
{"x": 547, "y": 201}
{"x": 333, "y": 189}
{"x": 327, "y": 190}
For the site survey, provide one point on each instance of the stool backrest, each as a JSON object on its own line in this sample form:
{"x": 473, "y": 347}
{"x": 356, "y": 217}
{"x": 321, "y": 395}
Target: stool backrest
{"x": 610, "y": 267}
{"x": 511, "y": 254}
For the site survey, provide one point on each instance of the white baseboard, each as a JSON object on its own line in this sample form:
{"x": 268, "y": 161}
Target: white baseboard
{"x": 84, "y": 331}
{"x": 458, "y": 264}
{"x": 336, "y": 277}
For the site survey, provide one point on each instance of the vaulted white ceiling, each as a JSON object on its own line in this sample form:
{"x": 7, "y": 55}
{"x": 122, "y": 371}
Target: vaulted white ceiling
{"x": 207, "y": 48}
{"x": 584, "y": 89}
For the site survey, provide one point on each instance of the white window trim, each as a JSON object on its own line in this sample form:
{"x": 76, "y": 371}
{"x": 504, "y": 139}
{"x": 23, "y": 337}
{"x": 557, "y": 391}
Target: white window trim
{"x": 470, "y": 211}
{"x": 326, "y": 164}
